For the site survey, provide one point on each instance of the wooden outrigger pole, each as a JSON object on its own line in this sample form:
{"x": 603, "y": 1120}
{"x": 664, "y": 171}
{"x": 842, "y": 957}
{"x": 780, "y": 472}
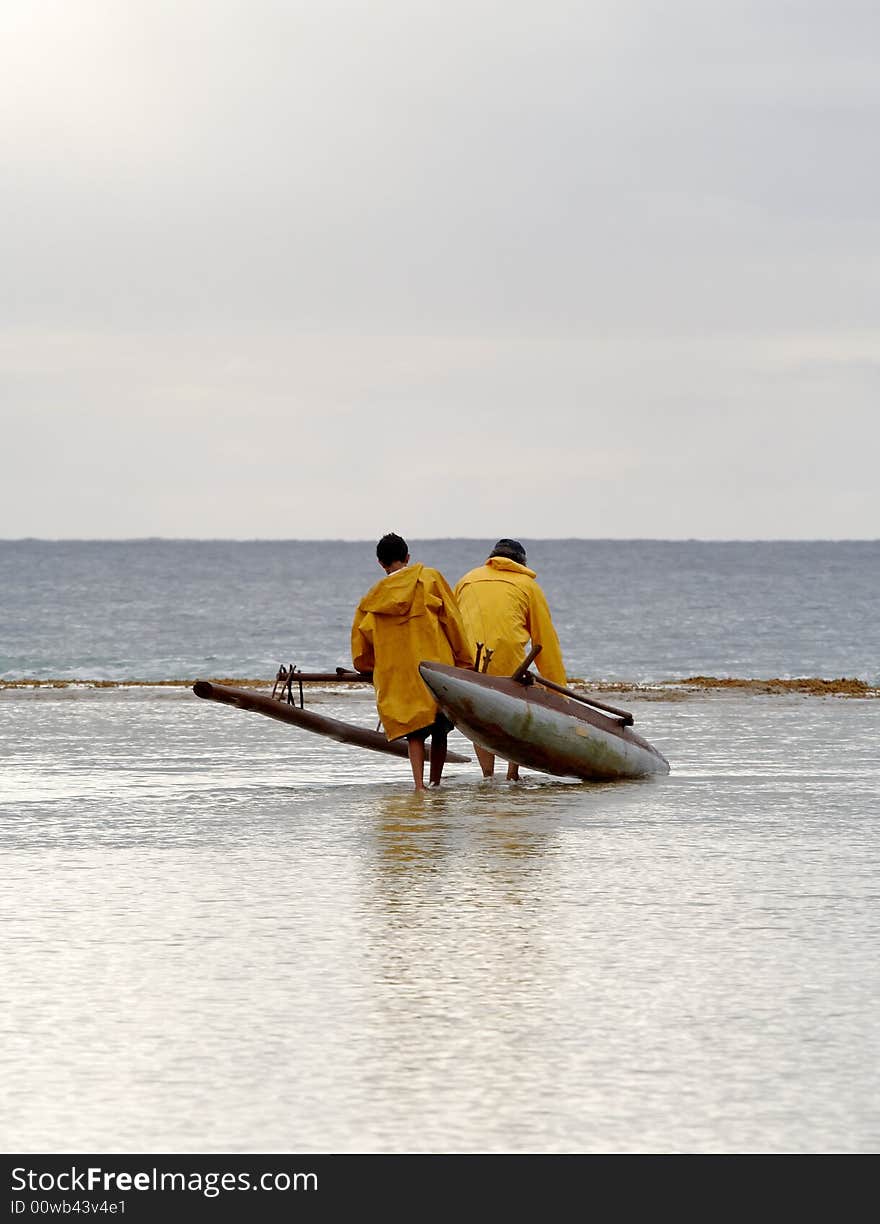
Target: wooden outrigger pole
{"x": 286, "y": 711}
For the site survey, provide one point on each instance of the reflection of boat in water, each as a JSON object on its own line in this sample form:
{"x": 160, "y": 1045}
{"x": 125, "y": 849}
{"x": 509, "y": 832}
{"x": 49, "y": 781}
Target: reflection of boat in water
{"x": 542, "y": 726}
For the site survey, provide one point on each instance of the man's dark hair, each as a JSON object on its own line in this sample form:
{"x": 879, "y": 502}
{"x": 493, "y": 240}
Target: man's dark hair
{"x": 391, "y": 548}
{"x": 512, "y": 549}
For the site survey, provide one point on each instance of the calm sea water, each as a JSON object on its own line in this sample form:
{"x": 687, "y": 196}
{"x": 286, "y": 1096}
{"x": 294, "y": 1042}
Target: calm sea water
{"x": 625, "y": 610}
{"x": 224, "y": 934}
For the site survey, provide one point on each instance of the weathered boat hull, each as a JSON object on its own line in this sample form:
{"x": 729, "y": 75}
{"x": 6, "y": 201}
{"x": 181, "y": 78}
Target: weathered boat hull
{"x": 540, "y": 729}
{"x": 283, "y": 711}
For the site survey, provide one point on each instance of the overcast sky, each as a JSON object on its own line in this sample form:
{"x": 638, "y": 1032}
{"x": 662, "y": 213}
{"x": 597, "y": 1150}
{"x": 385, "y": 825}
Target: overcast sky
{"x": 325, "y": 269}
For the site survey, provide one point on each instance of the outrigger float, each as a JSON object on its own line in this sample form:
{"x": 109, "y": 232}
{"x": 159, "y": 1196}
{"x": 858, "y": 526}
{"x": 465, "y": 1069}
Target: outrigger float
{"x": 523, "y": 718}
{"x": 282, "y": 706}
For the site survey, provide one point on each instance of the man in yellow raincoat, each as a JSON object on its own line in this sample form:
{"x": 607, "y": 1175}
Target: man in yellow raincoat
{"x": 409, "y": 616}
{"x": 504, "y": 608}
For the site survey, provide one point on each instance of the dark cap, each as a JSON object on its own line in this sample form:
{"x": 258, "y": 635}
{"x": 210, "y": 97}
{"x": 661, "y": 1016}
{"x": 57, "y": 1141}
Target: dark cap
{"x": 512, "y": 549}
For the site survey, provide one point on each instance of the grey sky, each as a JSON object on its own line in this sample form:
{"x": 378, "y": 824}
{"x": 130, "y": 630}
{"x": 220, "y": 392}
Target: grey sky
{"x": 329, "y": 269}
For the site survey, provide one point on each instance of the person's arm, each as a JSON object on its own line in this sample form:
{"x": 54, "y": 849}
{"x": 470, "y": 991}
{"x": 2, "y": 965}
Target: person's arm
{"x": 543, "y": 633}
{"x": 362, "y": 655}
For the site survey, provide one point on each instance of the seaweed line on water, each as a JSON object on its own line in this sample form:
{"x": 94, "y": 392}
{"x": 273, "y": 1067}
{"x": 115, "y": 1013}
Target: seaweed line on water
{"x": 810, "y": 686}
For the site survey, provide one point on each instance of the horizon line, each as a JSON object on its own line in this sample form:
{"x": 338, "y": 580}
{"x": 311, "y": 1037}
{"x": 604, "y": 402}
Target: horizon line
{"x": 155, "y": 539}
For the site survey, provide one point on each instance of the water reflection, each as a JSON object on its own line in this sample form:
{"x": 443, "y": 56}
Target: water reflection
{"x": 409, "y": 832}
{"x": 491, "y": 827}
{"x": 285, "y": 948}
{"x": 455, "y": 905}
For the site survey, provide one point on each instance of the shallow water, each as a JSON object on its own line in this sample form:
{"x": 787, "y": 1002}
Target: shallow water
{"x": 223, "y": 934}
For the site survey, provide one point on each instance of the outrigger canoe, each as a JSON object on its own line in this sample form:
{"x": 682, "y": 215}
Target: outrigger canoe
{"x": 539, "y": 725}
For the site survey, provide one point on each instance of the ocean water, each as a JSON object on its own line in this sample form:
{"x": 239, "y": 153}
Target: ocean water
{"x": 624, "y": 610}
{"x": 224, "y": 934}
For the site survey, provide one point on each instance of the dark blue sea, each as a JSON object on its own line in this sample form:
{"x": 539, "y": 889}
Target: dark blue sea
{"x": 224, "y": 934}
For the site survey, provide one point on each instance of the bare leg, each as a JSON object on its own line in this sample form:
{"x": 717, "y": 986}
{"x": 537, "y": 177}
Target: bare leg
{"x": 487, "y": 761}
{"x": 438, "y": 758}
{"x": 417, "y": 762}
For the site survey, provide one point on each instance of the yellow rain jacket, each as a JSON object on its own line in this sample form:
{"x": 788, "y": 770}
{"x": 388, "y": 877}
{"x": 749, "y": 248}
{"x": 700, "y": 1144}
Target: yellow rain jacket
{"x": 503, "y": 607}
{"x": 409, "y": 617}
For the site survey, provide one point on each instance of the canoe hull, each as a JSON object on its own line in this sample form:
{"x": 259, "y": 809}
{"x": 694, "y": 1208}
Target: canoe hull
{"x": 541, "y": 730}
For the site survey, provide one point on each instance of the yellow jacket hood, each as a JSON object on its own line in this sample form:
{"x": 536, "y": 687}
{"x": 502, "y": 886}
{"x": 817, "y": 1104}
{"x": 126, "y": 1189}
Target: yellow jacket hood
{"x": 514, "y": 567}
{"x": 396, "y": 594}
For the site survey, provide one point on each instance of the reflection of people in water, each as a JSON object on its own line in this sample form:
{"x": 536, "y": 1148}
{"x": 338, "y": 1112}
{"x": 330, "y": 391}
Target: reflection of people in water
{"x": 410, "y": 834}
{"x": 414, "y": 837}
